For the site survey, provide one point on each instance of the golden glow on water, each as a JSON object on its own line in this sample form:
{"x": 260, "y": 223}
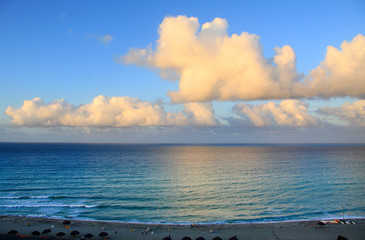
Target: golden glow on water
{"x": 196, "y": 173}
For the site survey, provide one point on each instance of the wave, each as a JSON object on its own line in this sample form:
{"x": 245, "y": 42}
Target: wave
{"x": 49, "y": 206}
{"x": 27, "y": 197}
{"x": 32, "y": 189}
{"x": 49, "y": 197}
{"x": 52, "y": 197}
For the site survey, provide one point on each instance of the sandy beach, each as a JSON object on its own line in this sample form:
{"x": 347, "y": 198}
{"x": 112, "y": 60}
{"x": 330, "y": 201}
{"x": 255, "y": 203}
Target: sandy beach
{"x": 283, "y": 230}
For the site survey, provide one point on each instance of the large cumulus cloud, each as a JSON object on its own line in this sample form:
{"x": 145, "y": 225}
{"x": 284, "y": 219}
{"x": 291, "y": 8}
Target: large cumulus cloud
{"x": 210, "y": 65}
{"x": 107, "y": 112}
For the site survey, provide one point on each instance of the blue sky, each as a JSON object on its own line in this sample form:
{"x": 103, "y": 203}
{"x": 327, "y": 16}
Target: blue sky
{"x": 75, "y": 50}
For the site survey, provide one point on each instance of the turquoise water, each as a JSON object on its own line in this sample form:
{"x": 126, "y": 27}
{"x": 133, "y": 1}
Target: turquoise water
{"x": 182, "y": 183}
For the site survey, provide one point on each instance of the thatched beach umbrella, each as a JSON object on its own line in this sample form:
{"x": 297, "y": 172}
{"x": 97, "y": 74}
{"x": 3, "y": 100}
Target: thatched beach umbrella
{"x": 234, "y": 238}
{"x": 75, "y": 233}
{"x": 36, "y": 233}
{"x": 186, "y": 238}
{"x": 66, "y": 222}
{"x": 13, "y": 232}
{"x": 45, "y": 231}
{"x": 217, "y": 238}
{"x": 167, "y": 238}
{"x": 103, "y": 234}
{"x": 60, "y": 234}
{"x": 340, "y": 237}
{"x": 89, "y": 235}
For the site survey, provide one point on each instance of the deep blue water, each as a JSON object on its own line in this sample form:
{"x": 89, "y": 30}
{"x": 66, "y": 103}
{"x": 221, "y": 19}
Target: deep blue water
{"x": 182, "y": 183}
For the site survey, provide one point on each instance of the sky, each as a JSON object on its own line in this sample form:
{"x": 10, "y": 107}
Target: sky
{"x": 182, "y": 71}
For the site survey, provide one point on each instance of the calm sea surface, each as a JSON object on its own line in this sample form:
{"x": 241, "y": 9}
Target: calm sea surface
{"x": 182, "y": 184}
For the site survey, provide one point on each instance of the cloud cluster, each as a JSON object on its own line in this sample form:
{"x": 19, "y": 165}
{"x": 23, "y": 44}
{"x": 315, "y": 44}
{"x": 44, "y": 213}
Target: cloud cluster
{"x": 107, "y": 112}
{"x": 210, "y": 65}
{"x": 287, "y": 113}
{"x": 352, "y": 113}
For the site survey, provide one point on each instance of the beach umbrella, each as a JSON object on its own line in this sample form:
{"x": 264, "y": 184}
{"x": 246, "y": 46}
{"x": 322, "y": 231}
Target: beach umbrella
{"x": 186, "y": 238}
{"x": 340, "y": 237}
{"x": 13, "y": 232}
{"x": 66, "y": 222}
{"x": 74, "y": 233}
{"x": 45, "y": 231}
{"x": 103, "y": 234}
{"x": 89, "y": 235}
{"x": 60, "y": 234}
{"x": 234, "y": 238}
{"x": 200, "y": 238}
{"x": 217, "y": 238}
{"x": 36, "y": 233}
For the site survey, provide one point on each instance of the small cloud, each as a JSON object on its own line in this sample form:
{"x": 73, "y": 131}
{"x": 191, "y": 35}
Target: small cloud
{"x": 287, "y": 113}
{"x": 62, "y": 16}
{"x": 106, "y": 39}
{"x": 201, "y": 114}
{"x": 351, "y": 113}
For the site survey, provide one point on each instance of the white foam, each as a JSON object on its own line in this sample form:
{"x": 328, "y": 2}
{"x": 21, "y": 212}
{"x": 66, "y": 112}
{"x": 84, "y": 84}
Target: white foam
{"x": 25, "y": 197}
{"x": 48, "y": 206}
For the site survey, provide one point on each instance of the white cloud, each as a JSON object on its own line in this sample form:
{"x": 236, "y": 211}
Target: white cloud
{"x": 107, "y": 112}
{"x": 211, "y": 65}
{"x": 201, "y": 114}
{"x": 287, "y": 113}
{"x": 62, "y": 16}
{"x": 352, "y": 113}
{"x": 106, "y": 39}
{"x": 342, "y": 73}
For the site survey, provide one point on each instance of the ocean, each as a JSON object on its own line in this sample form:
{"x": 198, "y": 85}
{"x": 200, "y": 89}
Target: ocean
{"x": 162, "y": 183}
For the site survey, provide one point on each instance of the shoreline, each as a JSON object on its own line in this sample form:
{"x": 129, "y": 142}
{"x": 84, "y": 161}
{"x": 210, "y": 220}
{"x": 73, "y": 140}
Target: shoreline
{"x": 117, "y": 230}
{"x": 249, "y": 221}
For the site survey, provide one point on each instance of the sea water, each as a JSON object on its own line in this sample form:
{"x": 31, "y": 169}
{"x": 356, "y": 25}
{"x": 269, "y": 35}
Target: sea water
{"x": 182, "y": 183}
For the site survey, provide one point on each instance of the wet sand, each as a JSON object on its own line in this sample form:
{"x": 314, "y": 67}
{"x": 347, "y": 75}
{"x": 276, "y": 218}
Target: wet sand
{"x": 260, "y": 231}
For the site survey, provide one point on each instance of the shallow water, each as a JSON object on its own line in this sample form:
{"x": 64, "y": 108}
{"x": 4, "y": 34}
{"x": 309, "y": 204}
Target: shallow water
{"x": 182, "y": 183}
